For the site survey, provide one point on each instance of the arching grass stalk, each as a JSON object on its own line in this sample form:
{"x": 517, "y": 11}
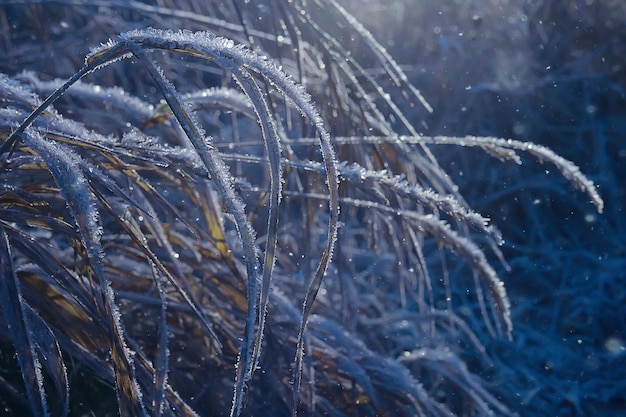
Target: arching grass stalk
{"x": 241, "y": 63}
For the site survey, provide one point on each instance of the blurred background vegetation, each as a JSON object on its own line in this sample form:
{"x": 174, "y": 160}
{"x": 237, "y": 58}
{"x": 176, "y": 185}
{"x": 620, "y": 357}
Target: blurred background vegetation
{"x": 553, "y": 73}
{"x": 550, "y": 72}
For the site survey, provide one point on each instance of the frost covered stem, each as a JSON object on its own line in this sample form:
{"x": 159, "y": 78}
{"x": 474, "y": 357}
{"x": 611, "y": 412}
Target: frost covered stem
{"x": 223, "y": 183}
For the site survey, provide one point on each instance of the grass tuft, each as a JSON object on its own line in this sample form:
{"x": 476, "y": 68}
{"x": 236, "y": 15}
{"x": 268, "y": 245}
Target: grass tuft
{"x": 239, "y": 218}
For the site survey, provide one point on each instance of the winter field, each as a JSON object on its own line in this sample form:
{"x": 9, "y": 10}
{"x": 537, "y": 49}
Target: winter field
{"x": 312, "y": 207}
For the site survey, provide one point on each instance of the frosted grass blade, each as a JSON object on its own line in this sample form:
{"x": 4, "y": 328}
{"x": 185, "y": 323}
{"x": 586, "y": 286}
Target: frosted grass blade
{"x": 15, "y": 312}
{"x": 63, "y": 164}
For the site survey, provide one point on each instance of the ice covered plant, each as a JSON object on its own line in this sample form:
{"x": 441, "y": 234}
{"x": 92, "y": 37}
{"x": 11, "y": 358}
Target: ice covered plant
{"x": 104, "y": 224}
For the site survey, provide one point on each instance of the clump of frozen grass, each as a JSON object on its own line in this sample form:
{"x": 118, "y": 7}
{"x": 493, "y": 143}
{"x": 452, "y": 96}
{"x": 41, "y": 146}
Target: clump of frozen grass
{"x": 393, "y": 179}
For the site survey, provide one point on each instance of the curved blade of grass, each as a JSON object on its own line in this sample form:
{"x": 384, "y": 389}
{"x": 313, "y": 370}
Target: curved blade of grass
{"x": 223, "y": 182}
{"x": 64, "y": 167}
{"x": 208, "y": 46}
{"x": 272, "y": 145}
{"x": 499, "y": 146}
